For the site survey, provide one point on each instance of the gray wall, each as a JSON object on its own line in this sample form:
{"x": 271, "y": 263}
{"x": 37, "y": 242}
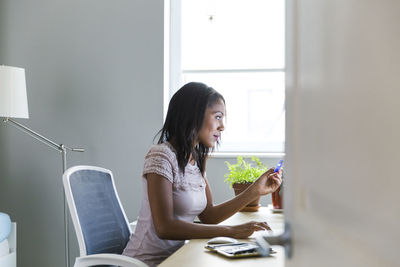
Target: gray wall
{"x": 94, "y": 71}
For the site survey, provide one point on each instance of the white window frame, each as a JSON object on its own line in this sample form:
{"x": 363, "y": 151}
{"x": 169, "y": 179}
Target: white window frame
{"x": 172, "y": 70}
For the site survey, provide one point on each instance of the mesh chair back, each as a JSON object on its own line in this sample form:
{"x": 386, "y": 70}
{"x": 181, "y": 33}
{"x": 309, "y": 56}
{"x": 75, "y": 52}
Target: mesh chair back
{"x": 102, "y": 221}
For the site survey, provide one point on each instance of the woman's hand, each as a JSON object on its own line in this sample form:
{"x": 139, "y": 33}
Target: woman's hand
{"x": 268, "y": 182}
{"x": 247, "y": 229}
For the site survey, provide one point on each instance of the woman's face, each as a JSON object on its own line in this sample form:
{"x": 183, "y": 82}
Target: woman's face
{"x": 213, "y": 124}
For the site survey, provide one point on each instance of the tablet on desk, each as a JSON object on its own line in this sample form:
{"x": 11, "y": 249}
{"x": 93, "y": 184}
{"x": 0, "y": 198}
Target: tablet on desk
{"x": 237, "y": 250}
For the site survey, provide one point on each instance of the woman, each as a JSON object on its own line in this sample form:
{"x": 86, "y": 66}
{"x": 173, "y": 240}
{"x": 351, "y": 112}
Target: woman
{"x": 175, "y": 186}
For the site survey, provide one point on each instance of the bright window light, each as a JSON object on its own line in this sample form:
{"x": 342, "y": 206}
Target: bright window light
{"x": 236, "y": 47}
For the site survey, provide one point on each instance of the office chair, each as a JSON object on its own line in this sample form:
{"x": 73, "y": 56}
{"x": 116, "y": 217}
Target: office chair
{"x": 99, "y": 220}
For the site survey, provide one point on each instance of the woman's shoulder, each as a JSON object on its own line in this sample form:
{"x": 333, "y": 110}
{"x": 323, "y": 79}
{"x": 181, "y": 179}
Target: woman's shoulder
{"x": 161, "y": 159}
{"x": 162, "y": 150}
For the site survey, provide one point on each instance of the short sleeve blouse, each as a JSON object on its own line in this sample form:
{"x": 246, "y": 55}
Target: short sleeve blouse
{"x": 189, "y": 200}
{"x": 161, "y": 159}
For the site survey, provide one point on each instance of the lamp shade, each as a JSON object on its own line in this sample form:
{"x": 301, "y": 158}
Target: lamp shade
{"x": 13, "y": 100}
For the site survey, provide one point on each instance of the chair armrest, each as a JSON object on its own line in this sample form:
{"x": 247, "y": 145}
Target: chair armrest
{"x": 108, "y": 259}
{"x": 132, "y": 225}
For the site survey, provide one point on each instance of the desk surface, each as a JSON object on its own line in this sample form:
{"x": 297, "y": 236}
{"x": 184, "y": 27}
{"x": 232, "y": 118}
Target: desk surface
{"x": 194, "y": 254}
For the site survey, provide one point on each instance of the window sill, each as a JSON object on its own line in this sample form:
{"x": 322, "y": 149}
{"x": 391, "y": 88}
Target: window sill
{"x": 246, "y": 154}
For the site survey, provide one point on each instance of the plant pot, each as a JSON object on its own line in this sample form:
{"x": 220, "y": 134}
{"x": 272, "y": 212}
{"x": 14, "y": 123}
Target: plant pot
{"x": 252, "y": 206}
{"x": 277, "y": 198}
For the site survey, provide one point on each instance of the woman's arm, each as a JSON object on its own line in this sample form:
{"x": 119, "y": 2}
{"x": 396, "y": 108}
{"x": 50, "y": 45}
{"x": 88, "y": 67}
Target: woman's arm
{"x": 167, "y": 227}
{"x": 265, "y": 184}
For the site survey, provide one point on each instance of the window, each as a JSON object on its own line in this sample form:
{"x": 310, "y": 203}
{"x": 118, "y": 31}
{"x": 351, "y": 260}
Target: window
{"x": 237, "y": 47}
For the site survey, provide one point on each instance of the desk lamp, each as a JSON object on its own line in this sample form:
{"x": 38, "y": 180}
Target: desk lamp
{"x": 14, "y": 104}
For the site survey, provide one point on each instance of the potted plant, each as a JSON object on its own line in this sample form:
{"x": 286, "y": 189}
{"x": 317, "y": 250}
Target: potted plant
{"x": 242, "y": 174}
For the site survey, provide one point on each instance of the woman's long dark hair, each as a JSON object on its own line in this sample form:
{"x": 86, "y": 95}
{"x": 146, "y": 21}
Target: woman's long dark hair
{"x": 184, "y": 120}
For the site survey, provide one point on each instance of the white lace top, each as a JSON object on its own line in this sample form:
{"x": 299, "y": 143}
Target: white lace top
{"x": 189, "y": 200}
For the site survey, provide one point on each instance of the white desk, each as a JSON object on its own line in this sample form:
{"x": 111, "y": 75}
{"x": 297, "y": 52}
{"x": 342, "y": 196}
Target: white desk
{"x": 194, "y": 254}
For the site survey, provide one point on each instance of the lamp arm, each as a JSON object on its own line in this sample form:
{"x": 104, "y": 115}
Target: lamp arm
{"x": 40, "y": 137}
{"x": 63, "y": 149}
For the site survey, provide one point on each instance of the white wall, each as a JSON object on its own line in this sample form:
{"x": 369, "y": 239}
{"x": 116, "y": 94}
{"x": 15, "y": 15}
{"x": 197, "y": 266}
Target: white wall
{"x": 342, "y": 142}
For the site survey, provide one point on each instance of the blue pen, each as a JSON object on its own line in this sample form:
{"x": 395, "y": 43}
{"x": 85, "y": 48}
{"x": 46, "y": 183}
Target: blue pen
{"x": 278, "y": 167}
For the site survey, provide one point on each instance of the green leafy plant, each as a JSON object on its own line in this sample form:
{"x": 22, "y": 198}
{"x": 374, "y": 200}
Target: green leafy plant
{"x": 244, "y": 172}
